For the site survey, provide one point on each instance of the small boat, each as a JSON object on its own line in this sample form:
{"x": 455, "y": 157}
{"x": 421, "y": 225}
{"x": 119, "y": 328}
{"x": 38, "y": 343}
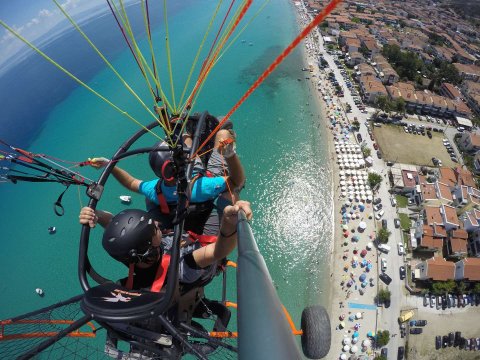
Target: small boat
{"x": 52, "y": 230}
{"x": 126, "y": 199}
{"x": 243, "y": 41}
{"x": 250, "y": 44}
{"x": 39, "y": 292}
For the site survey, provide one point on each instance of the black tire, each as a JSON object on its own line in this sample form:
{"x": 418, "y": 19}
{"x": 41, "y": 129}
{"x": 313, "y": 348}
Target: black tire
{"x": 316, "y": 337}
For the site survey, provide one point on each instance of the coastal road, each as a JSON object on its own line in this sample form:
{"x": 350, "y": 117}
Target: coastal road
{"x": 387, "y": 317}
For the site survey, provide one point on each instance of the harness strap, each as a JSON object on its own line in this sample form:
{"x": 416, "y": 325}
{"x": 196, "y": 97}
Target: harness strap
{"x": 161, "y": 274}
{"x": 204, "y": 240}
{"x": 164, "y": 209}
{"x": 131, "y": 269}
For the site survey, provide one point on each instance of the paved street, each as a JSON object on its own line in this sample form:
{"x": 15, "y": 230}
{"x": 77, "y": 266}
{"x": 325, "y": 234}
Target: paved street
{"x": 387, "y": 317}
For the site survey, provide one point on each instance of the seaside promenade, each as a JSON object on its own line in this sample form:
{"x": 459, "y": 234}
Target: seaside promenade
{"x": 354, "y": 313}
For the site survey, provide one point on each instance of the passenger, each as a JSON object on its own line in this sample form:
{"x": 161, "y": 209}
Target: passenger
{"x": 161, "y": 193}
{"x": 134, "y": 238}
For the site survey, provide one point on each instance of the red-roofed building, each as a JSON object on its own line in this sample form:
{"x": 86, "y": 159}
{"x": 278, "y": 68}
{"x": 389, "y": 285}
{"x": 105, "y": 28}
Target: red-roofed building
{"x": 464, "y": 177}
{"x": 432, "y": 215}
{"x": 469, "y": 142}
{"x": 470, "y": 221}
{"x": 430, "y": 238}
{"x": 450, "y": 91}
{"x": 456, "y": 247}
{"x": 435, "y": 269}
{"x": 449, "y": 216}
{"x": 447, "y": 176}
{"x": 468, "y": 269}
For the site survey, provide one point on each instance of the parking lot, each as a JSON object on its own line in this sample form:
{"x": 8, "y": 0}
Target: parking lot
{"x": 442, "y": 322}
{"x": 398, "y": 146}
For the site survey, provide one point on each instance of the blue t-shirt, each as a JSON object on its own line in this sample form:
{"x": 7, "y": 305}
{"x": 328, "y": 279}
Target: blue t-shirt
{"x": 204, "y": 189}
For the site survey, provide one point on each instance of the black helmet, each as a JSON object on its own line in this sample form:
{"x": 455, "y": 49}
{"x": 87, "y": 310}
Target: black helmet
{"x": 128, "y": 237}
{"x": 161, "y": 162}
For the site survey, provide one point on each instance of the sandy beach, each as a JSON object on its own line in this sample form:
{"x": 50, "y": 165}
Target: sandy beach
{"x": 353, "y": 313}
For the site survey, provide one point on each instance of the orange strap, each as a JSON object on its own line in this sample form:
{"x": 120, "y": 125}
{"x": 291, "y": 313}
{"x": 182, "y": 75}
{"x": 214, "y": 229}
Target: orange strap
{"x": 131, "y": 269}
{"x": 164, "y": 209}
{"x": 161, "y": 274}
{"x": 204, "y": 240}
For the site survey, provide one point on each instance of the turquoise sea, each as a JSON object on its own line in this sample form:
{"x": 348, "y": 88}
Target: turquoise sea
{"x": 281, "y": 142}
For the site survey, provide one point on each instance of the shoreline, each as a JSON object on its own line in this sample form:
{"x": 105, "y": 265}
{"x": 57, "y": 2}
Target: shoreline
{"x": 343, "y": 301}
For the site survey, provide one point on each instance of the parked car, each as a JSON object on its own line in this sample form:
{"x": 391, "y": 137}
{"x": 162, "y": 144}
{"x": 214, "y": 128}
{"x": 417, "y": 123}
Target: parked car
{"x": 458, "y": 336}
{"x": 421, "y": 322}
{"x": 451, "y": 338}
{"x": 416, "y": 331}
{"x": 385, "y": 278}
{"x": 444, "y": 341}
{"x": 438, "y": 342}
{"x": 401, "y": 249}
{"x": 393, "y": 201}
{"x": 359, "y": 137}
{"x": 375, "y": 146}
{"x": 383, "y": 263}
{"x": 384, "y": 248}
{"x": 450, "y": 300}
{"x": 376, "y": 201}
{"x": 377, "y": 207}
{"x": 379, "y": 154}
{"x": 379, "y": 215}
{"x": 384, "y": 223}
{"x": 426, "y": 300}
{"x": 402, "y": 272}
{"x": 432, "y": 301}
{"x": 439, "y": 302}
{"x": 384, "y": 352}
{"x": 396, "y": 222}
{"x": 401, "y": 352}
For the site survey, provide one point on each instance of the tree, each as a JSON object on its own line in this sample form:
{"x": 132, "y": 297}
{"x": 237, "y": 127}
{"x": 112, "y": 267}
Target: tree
{"x": 356, "y": 124}
{"x": 443, "y": 287}
{"x": 384, "y": 295}
{"x": 374, "y": 179}
{"x": 400, "y": 105}
{"x": 461, "y": 287}
{"x": 476, "y": 288}
{"x": 383, "y": 337}
{"x": 380, "y": 357}
{"x": 366, "y": 151}
{"x": 383, "y": 235}
{"x": 382, "y": 102}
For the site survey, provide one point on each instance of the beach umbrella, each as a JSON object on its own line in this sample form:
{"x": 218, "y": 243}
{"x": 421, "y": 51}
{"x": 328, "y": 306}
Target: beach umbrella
{"x": 354, "y": 349}
{"x": 362, "y": 278}
{"x": 355, "y": 340}
{"x": 347, "y": 341}
{"x": 364, "y": 284}
{"x": 363, "y": 253}
{"x": 355, "y": 258}
{"x": 346, "y": 348}
{"x": 342, "y": 324}
{"x": 343, "y": 357}
{"x": 362, "y": 225}
{"x": 355, "y": 238}
{"x": 342, "y": 317}
{"x": 358, "y": 315}
{"x": 371, "y": 334}
{"x": 366, "y": 342}
{"x": 355, "y": 334}
{"x": 344, "y": 227}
